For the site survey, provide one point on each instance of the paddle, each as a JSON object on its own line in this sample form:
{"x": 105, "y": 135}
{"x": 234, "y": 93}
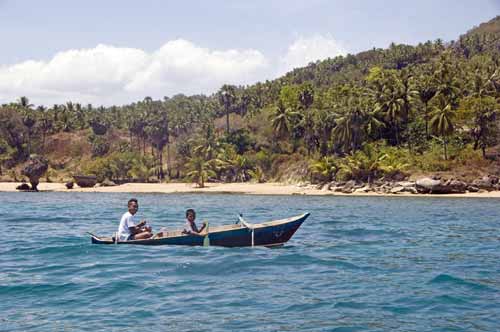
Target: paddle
{"x": 206, "y": 239}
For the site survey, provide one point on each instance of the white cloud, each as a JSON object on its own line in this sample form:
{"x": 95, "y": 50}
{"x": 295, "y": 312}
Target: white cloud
{"x": 306, "y": 50}
{"x": 118, "y": 75}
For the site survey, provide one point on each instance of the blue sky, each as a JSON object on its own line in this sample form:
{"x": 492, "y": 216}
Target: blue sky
{"x": 162, "y": 47}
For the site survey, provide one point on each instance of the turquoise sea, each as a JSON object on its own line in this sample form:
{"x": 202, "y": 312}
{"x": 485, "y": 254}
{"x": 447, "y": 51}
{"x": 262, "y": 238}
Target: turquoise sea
{"x": 357, "y": 264}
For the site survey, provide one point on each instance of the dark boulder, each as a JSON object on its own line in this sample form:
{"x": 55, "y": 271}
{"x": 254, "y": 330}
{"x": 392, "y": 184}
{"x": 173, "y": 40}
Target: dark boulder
{"x": 486, "y": 182}
{"x": 35, "y": 169}
{"x": 23, "y": 187}
{"x": 456, "y": 186}
{"x": 440, "y": 186}
{"x": 85, "y": 181}
{"x": 69, "y": 184}
{"x": 472, "y": 189}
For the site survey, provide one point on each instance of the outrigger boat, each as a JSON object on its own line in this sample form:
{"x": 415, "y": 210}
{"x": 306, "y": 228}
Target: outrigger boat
{"x": 268, "y": 234}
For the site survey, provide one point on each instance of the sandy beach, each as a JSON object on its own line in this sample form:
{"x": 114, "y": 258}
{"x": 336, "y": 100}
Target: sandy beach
{"x": 228, "y": 188}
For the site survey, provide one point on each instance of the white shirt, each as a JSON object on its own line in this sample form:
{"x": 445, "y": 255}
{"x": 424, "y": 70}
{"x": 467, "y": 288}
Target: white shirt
{"x": 126, "y": 222}
{"x": 188, "y": 228}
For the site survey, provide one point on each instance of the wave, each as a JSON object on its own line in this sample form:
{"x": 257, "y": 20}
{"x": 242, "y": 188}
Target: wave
{"x": 446, "y": 279}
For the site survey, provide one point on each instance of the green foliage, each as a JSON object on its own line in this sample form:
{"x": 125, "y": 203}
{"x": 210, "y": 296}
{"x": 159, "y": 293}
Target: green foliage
{"x": 363, "y": 165}
{"x": 324, "y": 169}
{"x": 100, "y": 145}
{"x": 264, "y": 160}
{"x": 257, "y": 174}
{"x": 431, "y": 160}
{"x": 241, "y": 139}
{"x": 119, "y": 166}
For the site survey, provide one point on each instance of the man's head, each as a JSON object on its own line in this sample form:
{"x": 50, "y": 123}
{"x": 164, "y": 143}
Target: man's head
{"x": 133, "y": 206}
{"x": 190, "y": 215}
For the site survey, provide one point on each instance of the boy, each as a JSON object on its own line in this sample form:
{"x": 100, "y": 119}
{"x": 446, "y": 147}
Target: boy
{"x": 190, "y": 226}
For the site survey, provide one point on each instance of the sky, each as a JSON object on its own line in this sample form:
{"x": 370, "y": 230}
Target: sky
{"x": 116, "y": 52}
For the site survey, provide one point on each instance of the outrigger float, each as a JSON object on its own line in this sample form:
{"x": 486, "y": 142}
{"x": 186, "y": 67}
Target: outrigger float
{"x": 268, "y": 234}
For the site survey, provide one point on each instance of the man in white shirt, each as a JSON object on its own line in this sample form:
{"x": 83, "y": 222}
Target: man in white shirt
{"x": 128, "y": 230}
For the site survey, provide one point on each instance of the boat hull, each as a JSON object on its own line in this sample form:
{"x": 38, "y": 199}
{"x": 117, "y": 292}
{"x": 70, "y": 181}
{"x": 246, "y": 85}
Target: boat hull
{"x": 272, "y": 233}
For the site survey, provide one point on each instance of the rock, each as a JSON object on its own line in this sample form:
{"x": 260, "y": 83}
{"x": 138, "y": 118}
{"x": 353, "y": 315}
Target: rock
{"x": 472, "y": 189}
{"x": 435, "y": 186}
{"x": 398, "y": 189}
{"x": 69, "y": 184}
{"x": 406, "y": 184}
{"x": 85, "y": 181}
{"x": 426, "y": 185}
{"x": 337, "y": 189}
{"x": 412, "y": 190}
{"x": 23, "y": 187}
{"x": 36, "y": 167}
{"x": 486, "y": 182}
{"x": 349, "y": 187}
{"x": 457, "y": 186}
{"x": 364, "y": 189}
{"x": 107, "y": 183}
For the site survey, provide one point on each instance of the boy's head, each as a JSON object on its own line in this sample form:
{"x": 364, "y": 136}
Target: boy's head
{"x": 190, "y": 215}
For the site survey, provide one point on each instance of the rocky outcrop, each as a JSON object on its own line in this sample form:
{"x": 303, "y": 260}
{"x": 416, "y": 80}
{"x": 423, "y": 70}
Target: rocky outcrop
{"x": 439, "y": 186}
{"x": 35, "y": 169}
{"x": 425, "y": 185}
{"x": 488, "y": 183}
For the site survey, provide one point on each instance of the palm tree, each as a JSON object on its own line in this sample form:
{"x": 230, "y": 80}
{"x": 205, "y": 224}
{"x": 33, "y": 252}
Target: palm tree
{"x": 442, "y": 121}
{"x": 45, "y": 123}
{"x": 28, "y": 118}
{"x": 283, "y": 119}
{"x": 426, "y": 90}
{"x": 24, "y": 103}
{"x": 227, "y": 98}
{"x": 485, "y": 111}
{"x": 392, "y": 104}
{"x": 199, "y": 171}
{"x": 446, "y": 79}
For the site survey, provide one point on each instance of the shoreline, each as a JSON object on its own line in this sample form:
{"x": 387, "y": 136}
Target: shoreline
{"x": 228, "y": 188}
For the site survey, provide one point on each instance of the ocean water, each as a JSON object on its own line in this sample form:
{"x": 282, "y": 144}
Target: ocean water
{"x": 357, "y": 264}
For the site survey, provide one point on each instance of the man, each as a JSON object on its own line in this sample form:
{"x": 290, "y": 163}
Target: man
{"x": 190, "y": 227}
{"x": 128, "y": 230}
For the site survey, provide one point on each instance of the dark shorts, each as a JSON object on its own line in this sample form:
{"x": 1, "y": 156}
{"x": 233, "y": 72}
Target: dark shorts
{"x": 131, "y": 237}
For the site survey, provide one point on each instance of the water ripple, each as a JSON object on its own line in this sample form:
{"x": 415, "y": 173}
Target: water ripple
{"x": 358, "y": 264}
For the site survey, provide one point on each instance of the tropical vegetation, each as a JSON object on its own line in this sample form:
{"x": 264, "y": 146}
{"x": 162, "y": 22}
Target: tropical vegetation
{"x": 429, "y": 107}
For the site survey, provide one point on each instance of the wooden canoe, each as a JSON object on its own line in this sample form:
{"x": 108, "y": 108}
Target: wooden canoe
{"x": 271, "y": 233}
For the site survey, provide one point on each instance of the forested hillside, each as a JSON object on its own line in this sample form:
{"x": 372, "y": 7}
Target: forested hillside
{"x": 387, "y": 113}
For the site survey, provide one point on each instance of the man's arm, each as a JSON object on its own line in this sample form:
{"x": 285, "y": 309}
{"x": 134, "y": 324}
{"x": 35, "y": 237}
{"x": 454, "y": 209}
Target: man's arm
{"x": 195, "y": 231}
{"x": 137, "y": 228}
